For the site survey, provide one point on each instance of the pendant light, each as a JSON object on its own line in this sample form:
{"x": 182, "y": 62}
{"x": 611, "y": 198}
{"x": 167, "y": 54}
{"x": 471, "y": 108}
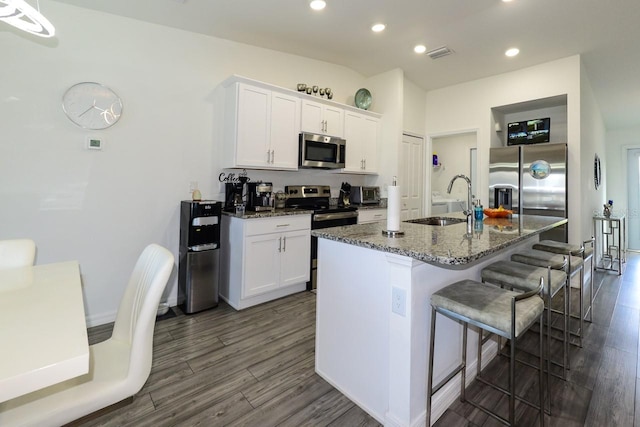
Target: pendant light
{"x": 21, "y": 15}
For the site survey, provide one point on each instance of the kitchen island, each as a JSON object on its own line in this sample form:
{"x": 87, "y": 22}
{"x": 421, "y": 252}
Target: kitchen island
{"x": 373, "y": 308}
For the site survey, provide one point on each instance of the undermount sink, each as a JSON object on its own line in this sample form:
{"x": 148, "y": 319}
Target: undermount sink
{"x": 437, "y": 220}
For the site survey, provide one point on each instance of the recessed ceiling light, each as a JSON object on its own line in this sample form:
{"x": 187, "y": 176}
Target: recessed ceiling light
{"x": 512, "y": 52}
{"x": 420, "y": 48}
{"x": 506, "y": 1}
{"x": 376, "y": 28}
{"x": 317, "y": 4}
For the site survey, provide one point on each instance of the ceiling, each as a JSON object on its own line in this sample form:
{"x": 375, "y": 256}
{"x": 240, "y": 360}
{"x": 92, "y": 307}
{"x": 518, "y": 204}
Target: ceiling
{"x": 605, "y": 32}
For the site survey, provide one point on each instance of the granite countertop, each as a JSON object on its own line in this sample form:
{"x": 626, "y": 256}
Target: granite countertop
{"x": 269, "y": 214}
{"x": 446, "y": 246}
{"x": 365, "y": 207}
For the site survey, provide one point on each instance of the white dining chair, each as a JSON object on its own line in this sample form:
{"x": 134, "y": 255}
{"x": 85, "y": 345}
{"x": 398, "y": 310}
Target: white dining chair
{"x": 17, "y": 253}
{"x": 119, "y": 366}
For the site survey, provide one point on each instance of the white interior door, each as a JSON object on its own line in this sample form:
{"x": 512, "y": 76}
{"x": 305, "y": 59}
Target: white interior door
{"x": 411, "y": 177}
{"x": 633, "y": 188}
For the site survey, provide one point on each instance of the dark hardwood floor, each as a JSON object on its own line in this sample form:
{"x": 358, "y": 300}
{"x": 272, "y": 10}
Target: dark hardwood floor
{"x": 224, "y": 367}
{"x": 256, "y": 368}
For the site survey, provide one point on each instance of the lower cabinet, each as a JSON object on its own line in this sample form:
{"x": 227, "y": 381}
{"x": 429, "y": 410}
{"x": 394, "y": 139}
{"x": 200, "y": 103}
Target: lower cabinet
{"x": 371, "y": 215}
{"x": 263, "y": 258}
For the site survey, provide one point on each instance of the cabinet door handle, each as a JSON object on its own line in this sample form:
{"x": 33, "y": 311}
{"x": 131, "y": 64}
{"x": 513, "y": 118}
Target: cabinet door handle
{"x": 268, "y": 156}
{"x": 280, "y": 244}
{"x": 284, "y": 244}
{"x": 273, "y": 156}
{"x": 282, "y": 225}
{"x": 365, "y": 164}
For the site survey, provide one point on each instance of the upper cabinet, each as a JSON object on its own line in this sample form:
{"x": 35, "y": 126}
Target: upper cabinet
{"x": 261, "y": 128}
{"x": 322, "y": 118}
{"x": 362, "y": 133}
{"x": 262, "y": 124}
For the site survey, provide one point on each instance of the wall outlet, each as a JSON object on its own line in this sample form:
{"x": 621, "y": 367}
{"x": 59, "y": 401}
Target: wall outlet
{"x": 399, "y": 301}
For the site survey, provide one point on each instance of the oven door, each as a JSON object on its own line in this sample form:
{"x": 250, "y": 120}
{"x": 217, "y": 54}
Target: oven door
{"x": 326, "y": 220}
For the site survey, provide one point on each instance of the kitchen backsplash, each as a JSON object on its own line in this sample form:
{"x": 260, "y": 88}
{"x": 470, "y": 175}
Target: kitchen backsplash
{"x": 280, "y": 179}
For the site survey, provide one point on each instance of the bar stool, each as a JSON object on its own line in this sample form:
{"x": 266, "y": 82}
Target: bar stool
{"x": 587, "y": 255}
{"x": 498, "y": 311}
{"x": 575, "y": 265}
{"x": 524, "y": 277}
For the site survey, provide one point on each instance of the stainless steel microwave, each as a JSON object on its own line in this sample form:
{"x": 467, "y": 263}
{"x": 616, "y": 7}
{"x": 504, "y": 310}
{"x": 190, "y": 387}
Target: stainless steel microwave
{"x": 321, "y": 151}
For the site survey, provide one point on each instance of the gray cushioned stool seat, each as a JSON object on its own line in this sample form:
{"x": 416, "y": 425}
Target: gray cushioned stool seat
{"x": 588, "y": 251}
{"x": 523, "y": 276}
{"x": 558, "y": 247}
{"x": 544, "y": 258}
{"x": 488, "y": 305}
{"x": 540, "y": 259}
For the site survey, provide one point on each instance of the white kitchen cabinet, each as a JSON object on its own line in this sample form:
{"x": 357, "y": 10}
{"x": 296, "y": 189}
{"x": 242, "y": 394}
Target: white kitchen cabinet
{"x": 285, "y": 128}
{"x": 362, "y": 133}
{"x": 322, "y": 118}
{"x": 261, "y": 128}
{"x": 366, "y": 216}
{"x": 263, "y": 258}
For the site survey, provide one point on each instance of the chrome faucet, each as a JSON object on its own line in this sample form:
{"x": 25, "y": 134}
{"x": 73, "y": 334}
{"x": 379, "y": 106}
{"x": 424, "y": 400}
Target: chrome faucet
{"x": 469, "y": 211}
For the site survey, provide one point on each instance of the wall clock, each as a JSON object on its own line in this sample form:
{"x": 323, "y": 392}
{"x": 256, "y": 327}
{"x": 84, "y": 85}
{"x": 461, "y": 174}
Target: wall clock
{"x": 597, "y": 172}
{"x": 92, "y": 105}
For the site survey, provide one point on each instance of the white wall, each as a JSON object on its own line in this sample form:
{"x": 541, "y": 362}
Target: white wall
{"x": 103, "y": 207}
{"x": 454, "y": 154}
{"x": 414, "y": 104}
{"x": 468, "y": 106}
{"x": 387, "y": 92}
{"x": 592, "y": 142}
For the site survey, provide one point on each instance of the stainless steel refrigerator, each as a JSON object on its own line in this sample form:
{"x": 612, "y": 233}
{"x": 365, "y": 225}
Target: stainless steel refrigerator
{"x": 531, "y": 180}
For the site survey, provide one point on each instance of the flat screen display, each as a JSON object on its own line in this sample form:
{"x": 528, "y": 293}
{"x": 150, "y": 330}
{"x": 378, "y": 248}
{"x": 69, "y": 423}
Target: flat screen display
{"x": 529, "y": 131}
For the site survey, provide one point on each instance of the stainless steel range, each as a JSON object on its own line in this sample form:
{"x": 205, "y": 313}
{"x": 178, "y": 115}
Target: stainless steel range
{"x": 316, "y": 198}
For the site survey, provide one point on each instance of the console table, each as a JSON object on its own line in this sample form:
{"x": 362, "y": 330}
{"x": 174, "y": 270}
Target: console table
{"x": 609, "y": 232}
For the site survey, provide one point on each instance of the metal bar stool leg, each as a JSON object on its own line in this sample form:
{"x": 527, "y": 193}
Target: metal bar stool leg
{"x": 493, "y": 310}
{"x": 519, "y": 273}
{"x": 432, "y": 339}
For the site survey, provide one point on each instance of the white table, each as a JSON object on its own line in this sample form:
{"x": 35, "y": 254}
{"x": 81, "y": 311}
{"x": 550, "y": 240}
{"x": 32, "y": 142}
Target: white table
{"x": 43, "y": 333}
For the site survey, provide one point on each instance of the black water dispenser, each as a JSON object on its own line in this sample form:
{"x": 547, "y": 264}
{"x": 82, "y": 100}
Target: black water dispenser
{"x": 198, "y": 266}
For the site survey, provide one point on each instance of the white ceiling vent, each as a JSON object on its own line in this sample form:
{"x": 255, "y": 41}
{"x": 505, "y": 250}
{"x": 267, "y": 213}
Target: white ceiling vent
{"x": 439, "y": 52}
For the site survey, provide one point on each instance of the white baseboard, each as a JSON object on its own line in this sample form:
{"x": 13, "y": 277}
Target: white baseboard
{"x": 441, "y": 400}
{"x": 451, "y": 391}
{"x": 100, "y": 319}
{"x": 378, "y": 417}
{"x": 110, "y": 316}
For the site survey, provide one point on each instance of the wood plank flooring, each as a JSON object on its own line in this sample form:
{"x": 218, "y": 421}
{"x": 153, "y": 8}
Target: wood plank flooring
{"x": 222, "y": 367}
{"x": 256, "y": 368}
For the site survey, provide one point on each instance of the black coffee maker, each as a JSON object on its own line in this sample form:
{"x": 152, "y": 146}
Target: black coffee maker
{"x": 235, "y": 193}
{"x": 345, "y": 193}
{"x": 259, "y": 196}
